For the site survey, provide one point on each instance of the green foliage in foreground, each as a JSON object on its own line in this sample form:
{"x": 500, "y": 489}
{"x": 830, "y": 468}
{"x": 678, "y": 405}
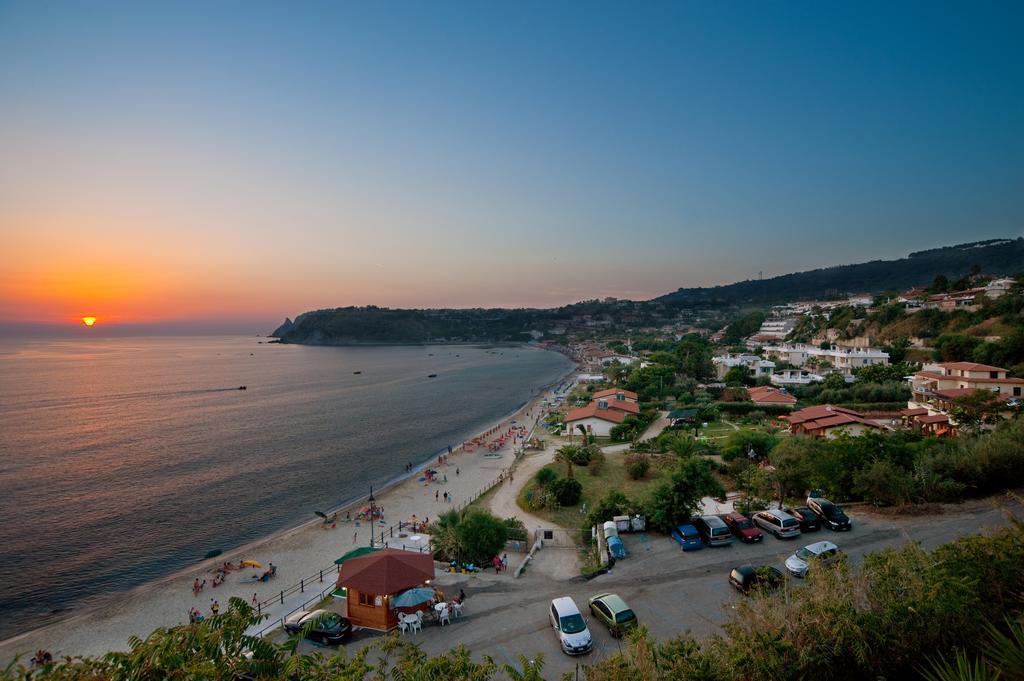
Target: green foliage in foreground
{"x": 908, "y": 613}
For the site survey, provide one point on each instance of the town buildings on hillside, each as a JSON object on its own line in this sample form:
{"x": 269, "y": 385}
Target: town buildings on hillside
{"x": 755, "y": 366}
{"x": 841, "y": 360}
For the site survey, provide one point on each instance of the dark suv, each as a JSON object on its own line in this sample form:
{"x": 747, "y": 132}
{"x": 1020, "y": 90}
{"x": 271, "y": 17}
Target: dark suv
{"x": 742, "y": 528}
{"x": 831, "y": 515}
{"x": 808, "y": 520}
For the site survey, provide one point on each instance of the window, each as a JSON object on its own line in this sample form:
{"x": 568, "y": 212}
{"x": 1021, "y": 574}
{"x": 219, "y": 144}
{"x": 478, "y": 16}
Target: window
{"x": 364, "y": 599}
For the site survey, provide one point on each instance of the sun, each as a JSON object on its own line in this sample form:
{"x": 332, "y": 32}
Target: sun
{"x": 88, "y": 321}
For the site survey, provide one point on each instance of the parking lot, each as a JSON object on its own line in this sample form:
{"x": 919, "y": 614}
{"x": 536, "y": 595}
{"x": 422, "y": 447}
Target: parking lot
{"x": 670, "y": 591}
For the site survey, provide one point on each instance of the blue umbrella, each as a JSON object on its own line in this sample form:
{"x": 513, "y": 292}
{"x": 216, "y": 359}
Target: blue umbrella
{"x": 412, "y": 597}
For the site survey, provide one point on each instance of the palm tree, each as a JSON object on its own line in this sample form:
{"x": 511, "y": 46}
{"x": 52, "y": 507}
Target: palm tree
{"x": 531, "y": 669}
{"x": 444, "y": 536}
{"x": 567, "y": 454}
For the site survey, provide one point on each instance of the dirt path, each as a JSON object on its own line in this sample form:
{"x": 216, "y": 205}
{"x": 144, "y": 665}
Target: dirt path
{"x": 503, "y": 501}
{"x": 659, "y": 424}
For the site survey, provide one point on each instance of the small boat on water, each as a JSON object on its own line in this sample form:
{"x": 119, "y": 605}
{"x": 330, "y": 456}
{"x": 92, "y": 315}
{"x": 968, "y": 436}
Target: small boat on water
{"x": 242, "y": 387}
{"x": 357, "y": 372}
{"x": 432, "y": 376}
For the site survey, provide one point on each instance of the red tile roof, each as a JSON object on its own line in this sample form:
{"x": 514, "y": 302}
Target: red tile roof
{"x": 768, "y": 395}
{"x": 593, "y": 411}
{"x": 934, "y": 418}
{"x": 914, "y": 412}
{"x": 827, "y": 416}
{"x": 621, "y": 405}
{"x": 970, "y": 366}
{"x": 612, "y": 392}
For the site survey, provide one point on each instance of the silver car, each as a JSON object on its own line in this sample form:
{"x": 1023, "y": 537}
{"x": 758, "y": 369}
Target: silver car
{"x": 779, "y": 523}
{"x": 824, "y": 551}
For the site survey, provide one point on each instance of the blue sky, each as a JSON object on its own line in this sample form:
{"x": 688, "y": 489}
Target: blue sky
{"x": 262, "y": 159}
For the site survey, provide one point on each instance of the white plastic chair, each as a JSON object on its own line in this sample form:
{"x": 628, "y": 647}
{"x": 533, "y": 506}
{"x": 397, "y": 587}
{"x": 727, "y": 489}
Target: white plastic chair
{"x": 417, "y": 625}
{"x": 403, "y": 626}
{"x": 445, "y": 616}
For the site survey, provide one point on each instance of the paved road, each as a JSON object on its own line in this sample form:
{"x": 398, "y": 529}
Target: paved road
{"x": 671, "y": 591}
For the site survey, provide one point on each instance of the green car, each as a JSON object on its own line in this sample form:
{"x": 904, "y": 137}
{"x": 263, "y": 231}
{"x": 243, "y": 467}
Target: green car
{"x": 614, "y": 612}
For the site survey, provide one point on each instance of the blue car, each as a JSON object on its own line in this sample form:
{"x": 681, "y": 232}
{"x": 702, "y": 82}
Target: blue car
{"x": 688, "y": 537}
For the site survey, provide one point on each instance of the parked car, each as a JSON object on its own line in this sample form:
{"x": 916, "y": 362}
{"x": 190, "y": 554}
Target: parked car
{"x": 808, "y": 520}
{"x": 748, "y": 577}
{"x": 330, "y": 629}
{"x": 823, "y": 551}
{"x": 713, "y": 530}
{"x": 831, "y": 515}
{"x": 570, "y": 627}
{"x": 779, "y": 523}
{"x": 688, "y": 537}
{"x": 613, "y": 611}
{"x": 742, "y": 527}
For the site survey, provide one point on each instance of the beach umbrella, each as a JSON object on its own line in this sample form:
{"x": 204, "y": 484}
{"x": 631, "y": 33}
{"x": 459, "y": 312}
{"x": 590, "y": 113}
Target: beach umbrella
{"x": 412, "y": 597}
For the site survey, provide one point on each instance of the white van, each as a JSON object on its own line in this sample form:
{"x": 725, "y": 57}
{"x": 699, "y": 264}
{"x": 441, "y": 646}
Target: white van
{"x": 571, "y": 628}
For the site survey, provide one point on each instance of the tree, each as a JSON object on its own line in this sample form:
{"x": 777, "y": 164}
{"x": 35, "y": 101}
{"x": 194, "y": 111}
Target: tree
{"x": 755, "y": 488}
{"x": 567, "y": 491}
{"x": 567, "y": 454}
{"x": 748, "y": 444}
{"x": 614, "y": 503}
{"x": 834, "y": 382}
{"x": 481, "y": 535}
{"x": 791, "y": 460}
{"x": 738, "y": 376}
{"x": 674, "y": 501}
{"x": 976, "y": 410}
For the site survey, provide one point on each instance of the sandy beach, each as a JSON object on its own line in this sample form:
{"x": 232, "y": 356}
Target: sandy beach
{"x": 299, "y": 553}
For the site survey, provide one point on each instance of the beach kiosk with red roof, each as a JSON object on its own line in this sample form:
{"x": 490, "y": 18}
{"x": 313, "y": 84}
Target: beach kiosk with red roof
{"x": 371, "y": 581}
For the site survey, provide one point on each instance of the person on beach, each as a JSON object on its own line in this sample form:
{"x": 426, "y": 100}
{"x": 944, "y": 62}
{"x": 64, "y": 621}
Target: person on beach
{"x": 456, "y": 472}
{"x": 196, "y": 587}
{"x": 436, "y": 494}
{"x": 215, "y": 608}
{"x": 255, "y": 601}
{"x": 354, "y": 535}
{"x": 504, "y": 562}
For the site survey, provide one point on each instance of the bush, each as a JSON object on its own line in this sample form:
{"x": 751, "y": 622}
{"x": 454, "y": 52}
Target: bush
{"x": 567, "y": 491}
{"x": 545, "y": 476}
{"x": 597, "y": 461}
{"x": 637, "y": 465}
{"x": 614, "y": 503}
{"x": 481, "y": 536}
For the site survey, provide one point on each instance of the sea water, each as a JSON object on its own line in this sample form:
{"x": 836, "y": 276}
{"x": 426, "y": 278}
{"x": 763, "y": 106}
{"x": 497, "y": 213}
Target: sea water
{"x": 124, "y": 460}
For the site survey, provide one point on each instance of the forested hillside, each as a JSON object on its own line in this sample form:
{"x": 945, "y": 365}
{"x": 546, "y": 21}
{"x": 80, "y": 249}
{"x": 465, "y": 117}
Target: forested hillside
{"x": 996, "y": 256}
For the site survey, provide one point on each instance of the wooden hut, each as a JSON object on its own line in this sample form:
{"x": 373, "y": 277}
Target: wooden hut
{"x": 371, "y": 581}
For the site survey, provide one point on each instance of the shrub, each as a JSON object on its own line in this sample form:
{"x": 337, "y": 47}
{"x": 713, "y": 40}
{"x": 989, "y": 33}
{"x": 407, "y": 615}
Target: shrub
{"x": 614, "y": 503}
{"x": 597, "y": 461}
{"x": 567, "y": 491}
{"x": 637, "y": 465}
{"x": 545, "y": 476}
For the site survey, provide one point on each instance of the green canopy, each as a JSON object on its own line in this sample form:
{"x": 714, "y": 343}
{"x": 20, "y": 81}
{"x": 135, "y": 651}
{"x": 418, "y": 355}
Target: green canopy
{"x": 355, "y": 553}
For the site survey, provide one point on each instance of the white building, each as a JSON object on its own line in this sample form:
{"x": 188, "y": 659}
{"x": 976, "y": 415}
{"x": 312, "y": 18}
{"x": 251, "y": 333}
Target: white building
{"x": 787, "y": 378}
{"x": 754, "y": 365}
{"x": 843, "y": 360}
{"x": 777, "y": 328}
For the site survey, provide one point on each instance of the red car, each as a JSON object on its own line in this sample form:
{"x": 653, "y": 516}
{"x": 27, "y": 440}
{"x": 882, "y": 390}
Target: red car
{"x": 742, "y": 528}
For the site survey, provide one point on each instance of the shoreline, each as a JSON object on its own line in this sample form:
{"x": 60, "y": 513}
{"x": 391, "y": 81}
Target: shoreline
{"x": 108, "y": 606}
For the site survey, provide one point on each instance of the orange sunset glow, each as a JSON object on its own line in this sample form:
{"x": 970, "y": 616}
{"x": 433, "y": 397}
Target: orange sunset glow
{"x": 88, "y": 321}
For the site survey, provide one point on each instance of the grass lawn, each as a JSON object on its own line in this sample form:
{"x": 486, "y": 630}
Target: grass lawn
{"x": 613, "y": 476}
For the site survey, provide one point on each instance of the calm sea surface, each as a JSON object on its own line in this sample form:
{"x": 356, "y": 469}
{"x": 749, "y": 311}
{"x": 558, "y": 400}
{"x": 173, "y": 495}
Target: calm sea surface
{"x": 124, "y": 460}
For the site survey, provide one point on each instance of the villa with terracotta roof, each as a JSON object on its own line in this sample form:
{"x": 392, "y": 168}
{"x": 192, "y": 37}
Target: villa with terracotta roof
{"x": 937, "y": 387}
{"x": 766, "y": 394}
{"x": 597, "y": 417}
{"x": 827, "y": 421}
